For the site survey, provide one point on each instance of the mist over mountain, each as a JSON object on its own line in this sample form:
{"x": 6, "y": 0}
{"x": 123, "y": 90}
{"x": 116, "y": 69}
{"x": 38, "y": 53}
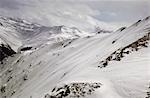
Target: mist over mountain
{"x": 70, "y": 53}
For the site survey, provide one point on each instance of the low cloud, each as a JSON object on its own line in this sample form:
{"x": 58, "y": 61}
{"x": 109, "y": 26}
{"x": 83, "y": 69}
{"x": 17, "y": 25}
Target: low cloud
{"x": 10, "y": 4}
{"x": 84, "y": 14}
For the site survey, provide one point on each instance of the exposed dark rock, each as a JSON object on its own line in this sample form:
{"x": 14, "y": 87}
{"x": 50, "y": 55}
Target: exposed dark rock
{"x": 138, "y": 22}
{"x": 120, "y": 53}
{"x": 3, "y": 89}
{"x": 68, "y": 43}
{"x": 74, "y": 90}
{"x": 123, "y": 28}
{"x": 1, "y": 24}
{"x": 5, "y": 51}
{"x": 9, "y": 78}
{"x": 113, "y": 41}
{"x": 105, "y": 64}
{"x": 25, "y": 77}
{"x": 148, "y": 92}
{"x": 147, "y": 18}
{"x": 25, "y": 48}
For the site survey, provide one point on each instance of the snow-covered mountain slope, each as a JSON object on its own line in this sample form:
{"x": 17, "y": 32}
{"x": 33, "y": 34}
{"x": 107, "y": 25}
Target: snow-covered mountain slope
{"x": 9, "y": 35}
{"x": 26, "y": 33}
{"x": 115, "y": 65}
{"x": 56, "y": 34}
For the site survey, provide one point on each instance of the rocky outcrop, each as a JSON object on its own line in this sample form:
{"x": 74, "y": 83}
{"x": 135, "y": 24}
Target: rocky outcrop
{"x": 99, "y": 30}
{"x": 148, "y": 92}
{"x": 121, "y": 29}
{"x": 5, "y": 51}
{"x": 121, "y": 52}
{"x": 73, "y": 90}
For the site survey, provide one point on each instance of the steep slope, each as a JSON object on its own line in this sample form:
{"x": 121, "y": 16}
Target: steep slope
{"x": 5, "y": 51}
{"x": 9, "y": 35}
{"x": 23, "y": 32}
{"x": 73, "y": 68}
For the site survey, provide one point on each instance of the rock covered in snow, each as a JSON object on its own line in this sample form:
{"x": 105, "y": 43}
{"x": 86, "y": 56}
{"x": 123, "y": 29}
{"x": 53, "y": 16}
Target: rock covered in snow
{"x": 74, "y": 90}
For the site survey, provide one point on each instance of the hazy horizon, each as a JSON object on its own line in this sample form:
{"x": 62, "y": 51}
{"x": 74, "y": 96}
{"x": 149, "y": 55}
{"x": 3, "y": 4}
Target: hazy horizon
{"x": 84, "y": 14}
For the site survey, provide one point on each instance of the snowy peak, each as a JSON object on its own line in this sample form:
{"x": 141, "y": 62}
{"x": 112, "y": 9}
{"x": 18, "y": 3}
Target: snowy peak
{"x": 34, "y": 35}
{"x": 29, "y": 31}
{"x": 22, "y": 27}
{"x": 67, "y": 30}
{"x": 70, "y": 31}
{"x": 16, "y": 22}
{"x": 18, "y": 33}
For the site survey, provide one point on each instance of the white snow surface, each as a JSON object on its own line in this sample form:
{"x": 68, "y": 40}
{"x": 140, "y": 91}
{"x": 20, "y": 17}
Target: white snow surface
{"x": 18, "y": 32}
{"x": 76, "y": 60}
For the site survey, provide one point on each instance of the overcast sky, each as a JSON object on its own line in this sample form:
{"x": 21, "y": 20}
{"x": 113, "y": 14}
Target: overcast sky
{"x": 85, "y": 14}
